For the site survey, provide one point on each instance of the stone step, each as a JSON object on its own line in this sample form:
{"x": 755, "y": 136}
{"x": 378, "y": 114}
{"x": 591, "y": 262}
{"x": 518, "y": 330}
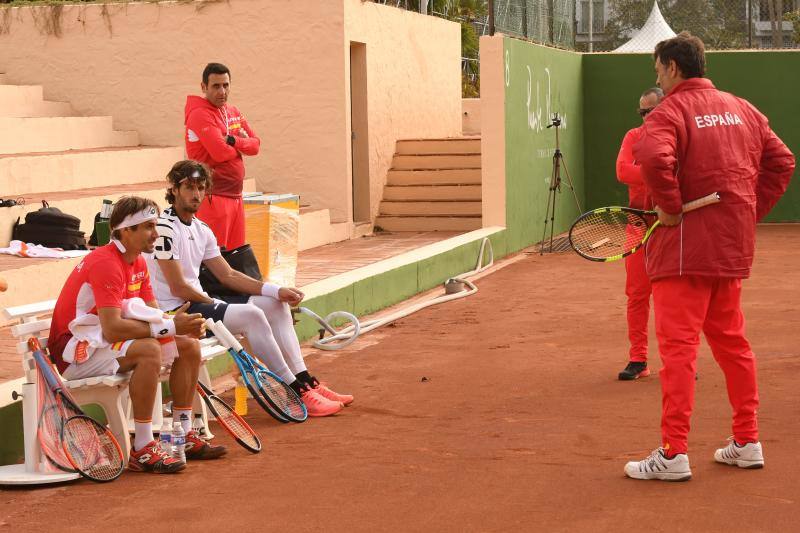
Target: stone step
{"x": 431, "y": 208}
{"x": 436, "y": 161}
{"x": 84, "y": 203}
{"x": 456, "y": 145}
{"x": 20, "y": 101}
{"x": 55, "y": 134}
{"x": 78, "y": 169}
{"x": 443, "y": 223}
{"x": 454, "y": 176}
{"x": 432, "y": 192}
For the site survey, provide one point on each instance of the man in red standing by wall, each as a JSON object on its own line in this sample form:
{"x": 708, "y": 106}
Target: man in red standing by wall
{"x": 218, "y": 135}
{"x": 637, "y": 284}
{"x": 699, "y": 141}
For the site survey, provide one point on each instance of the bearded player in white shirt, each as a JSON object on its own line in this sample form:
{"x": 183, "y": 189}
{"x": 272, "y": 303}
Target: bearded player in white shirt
{"x": 262, "y": 310}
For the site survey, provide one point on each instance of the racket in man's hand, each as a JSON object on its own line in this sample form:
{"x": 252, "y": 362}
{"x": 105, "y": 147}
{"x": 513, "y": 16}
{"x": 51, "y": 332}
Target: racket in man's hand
{"x": 612, "y": 233}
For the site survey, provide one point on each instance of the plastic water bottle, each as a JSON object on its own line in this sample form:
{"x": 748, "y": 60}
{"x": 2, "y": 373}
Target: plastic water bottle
{"x": 178, "y": 442}
{"x": 165, "y": 438}
{"x": 198, "y": 426}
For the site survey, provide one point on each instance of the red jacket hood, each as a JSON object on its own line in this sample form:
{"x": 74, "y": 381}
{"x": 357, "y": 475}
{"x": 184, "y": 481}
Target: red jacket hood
{"x": 196, "y": 102}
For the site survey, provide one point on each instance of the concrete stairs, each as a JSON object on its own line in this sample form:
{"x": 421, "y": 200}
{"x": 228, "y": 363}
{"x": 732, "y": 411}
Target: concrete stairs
{"x": 433, "y": 185}
{"x": 72, "y": 162}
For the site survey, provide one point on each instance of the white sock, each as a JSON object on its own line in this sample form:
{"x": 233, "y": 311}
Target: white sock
{"x": 143, "y": 435}
{"x": 184, "y": 416}
{"x": 249, "y": 320}
{"x": 279, "y": 317}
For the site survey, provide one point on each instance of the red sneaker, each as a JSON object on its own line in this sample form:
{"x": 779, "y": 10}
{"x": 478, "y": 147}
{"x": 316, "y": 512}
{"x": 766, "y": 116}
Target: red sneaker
{"x": 318, "y": 405}
{"x": 152, "y": 458}
{"x": 198, "y": 448}
{"x": 324, "y": 391}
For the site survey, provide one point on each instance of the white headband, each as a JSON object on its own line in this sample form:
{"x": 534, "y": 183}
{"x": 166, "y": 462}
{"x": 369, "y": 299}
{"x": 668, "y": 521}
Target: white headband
{"x": 148, "y": 213}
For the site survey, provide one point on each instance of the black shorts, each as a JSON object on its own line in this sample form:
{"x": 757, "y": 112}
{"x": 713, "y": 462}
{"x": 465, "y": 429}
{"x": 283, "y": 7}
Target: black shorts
{"x": 216, "y": 311}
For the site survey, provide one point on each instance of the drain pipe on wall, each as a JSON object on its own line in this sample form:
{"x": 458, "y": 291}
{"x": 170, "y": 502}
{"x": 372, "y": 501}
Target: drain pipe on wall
{"x": 454, "y": 288}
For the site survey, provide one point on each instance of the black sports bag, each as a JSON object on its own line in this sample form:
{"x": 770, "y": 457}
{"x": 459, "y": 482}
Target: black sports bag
{"x": 50, "y": 227}
{"x": 242, "y": 259}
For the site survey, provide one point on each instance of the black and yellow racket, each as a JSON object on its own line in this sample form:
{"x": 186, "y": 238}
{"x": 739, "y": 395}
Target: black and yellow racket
{"x": 611, "y": 233}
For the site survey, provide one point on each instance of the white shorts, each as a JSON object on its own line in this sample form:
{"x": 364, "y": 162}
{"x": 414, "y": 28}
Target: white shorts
{"x": 103, "y": 362}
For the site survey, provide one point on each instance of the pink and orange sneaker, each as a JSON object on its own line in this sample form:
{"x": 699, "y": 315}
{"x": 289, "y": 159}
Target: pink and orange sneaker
{"x": 318, "y": 405}
{"x": 152, "y": 458}
{"x": 324, "y": 391}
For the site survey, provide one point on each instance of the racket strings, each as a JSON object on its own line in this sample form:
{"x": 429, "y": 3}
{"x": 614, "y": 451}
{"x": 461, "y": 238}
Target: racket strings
{"x": 283, "y": 396}
{"x": 607, "y": 233}
{"x": 91, "y": 449}
{"x": 228, "y": 418}
{"x": 50, "y": 424}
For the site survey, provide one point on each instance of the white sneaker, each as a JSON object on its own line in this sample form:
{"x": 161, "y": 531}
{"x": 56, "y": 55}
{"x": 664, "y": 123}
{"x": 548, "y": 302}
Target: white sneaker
{"x": 656, "y": 466}
{"x": 748, "y": 456}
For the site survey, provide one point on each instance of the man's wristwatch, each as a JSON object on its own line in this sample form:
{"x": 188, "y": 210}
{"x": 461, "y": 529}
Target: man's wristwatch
{"x": 230, "y": 139}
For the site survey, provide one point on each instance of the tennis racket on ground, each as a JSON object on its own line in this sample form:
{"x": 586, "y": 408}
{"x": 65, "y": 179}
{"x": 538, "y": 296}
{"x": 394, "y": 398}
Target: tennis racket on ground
{"x": 228, "y": 419}
{"x": 248, "y": 373}
{"x": 89, "y": 447}
{"x": 280, "y": 396}
{"x": 611, "y": 233}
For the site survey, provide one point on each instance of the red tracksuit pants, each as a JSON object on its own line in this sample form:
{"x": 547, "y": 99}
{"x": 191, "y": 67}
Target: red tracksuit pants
{"x": 685, "y": 306}
{"x": 637, "y": 289}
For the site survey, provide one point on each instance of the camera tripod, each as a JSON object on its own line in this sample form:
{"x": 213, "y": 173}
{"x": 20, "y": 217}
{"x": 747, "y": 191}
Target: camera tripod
{"x": 555, "y": 186}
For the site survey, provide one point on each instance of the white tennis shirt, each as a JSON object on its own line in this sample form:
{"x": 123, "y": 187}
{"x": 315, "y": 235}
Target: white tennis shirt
{"x": 189, "y": 244}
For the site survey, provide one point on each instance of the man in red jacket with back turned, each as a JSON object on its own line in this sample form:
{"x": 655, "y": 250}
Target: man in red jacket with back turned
{"x": 637, "y": 284}
{"x": 218, "y": 135}
{"x": 700, "y": 141}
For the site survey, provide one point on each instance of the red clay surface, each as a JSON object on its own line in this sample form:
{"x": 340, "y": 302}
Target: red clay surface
{"x": 520, "y": 426}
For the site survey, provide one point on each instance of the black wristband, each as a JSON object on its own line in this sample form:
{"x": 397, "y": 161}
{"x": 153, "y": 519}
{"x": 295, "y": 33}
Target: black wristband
{"x": 230, "y": 139}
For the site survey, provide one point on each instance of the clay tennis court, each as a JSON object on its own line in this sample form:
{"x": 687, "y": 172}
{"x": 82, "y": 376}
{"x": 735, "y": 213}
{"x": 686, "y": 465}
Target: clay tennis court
{"x": 520, "y": 425}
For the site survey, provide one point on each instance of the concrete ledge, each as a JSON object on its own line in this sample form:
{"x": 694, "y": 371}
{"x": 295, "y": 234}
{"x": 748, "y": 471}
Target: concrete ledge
{"x": 379, "y": 285}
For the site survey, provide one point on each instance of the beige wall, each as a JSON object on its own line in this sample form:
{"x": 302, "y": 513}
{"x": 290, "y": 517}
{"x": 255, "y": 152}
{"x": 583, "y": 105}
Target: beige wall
{"x": 137, "y": 62}
{"x": 471, "y": 116}
{"x": 414, "y": 80}
{"x": 493, "y": 131}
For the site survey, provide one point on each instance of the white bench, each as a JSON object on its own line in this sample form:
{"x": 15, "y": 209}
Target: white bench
{"x": 109, "y": 392}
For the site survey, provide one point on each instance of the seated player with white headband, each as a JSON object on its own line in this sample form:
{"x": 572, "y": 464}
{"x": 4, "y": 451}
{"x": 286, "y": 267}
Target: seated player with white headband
{"x": 92, "y": 335}
{"x": 261, "y": 312}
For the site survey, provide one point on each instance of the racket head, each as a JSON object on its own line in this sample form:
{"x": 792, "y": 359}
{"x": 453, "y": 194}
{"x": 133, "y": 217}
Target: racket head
{"x": 281, "y": 396}
{"x": 234, "y": 424}
{"x": 92, "y": 449}
{"x": 49, "y": 435}
{"x": 609, "y": 233}
{"x": 250, "y": 379}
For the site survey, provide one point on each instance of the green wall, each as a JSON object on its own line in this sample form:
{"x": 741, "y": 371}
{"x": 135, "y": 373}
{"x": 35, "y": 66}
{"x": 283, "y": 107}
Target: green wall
{"x": 540, "y": 81}
{"x": 612, "y": 84}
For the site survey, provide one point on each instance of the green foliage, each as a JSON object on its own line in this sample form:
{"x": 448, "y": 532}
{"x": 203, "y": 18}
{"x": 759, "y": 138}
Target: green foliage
{"x": 794, "y": 18}
{"x": 719, "y": 23}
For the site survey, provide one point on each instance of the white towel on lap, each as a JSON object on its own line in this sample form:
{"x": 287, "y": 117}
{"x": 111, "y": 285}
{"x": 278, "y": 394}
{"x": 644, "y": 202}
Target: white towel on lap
{"x": 87, "y": 333}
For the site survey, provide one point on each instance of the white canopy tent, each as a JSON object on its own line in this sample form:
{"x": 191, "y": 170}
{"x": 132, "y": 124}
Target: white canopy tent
{"x": 654, "y": 31}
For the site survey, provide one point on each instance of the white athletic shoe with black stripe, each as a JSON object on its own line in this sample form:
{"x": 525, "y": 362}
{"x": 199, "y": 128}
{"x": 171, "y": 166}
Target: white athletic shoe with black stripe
{"x": 657, "y": 466}
{"x": 748, "y": 456}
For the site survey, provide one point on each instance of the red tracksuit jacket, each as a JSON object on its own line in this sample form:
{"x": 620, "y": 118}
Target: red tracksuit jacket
{"x": 630, "y": 173}
{"x": 206, "y": 129}
{"x": 698, "y": 141}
